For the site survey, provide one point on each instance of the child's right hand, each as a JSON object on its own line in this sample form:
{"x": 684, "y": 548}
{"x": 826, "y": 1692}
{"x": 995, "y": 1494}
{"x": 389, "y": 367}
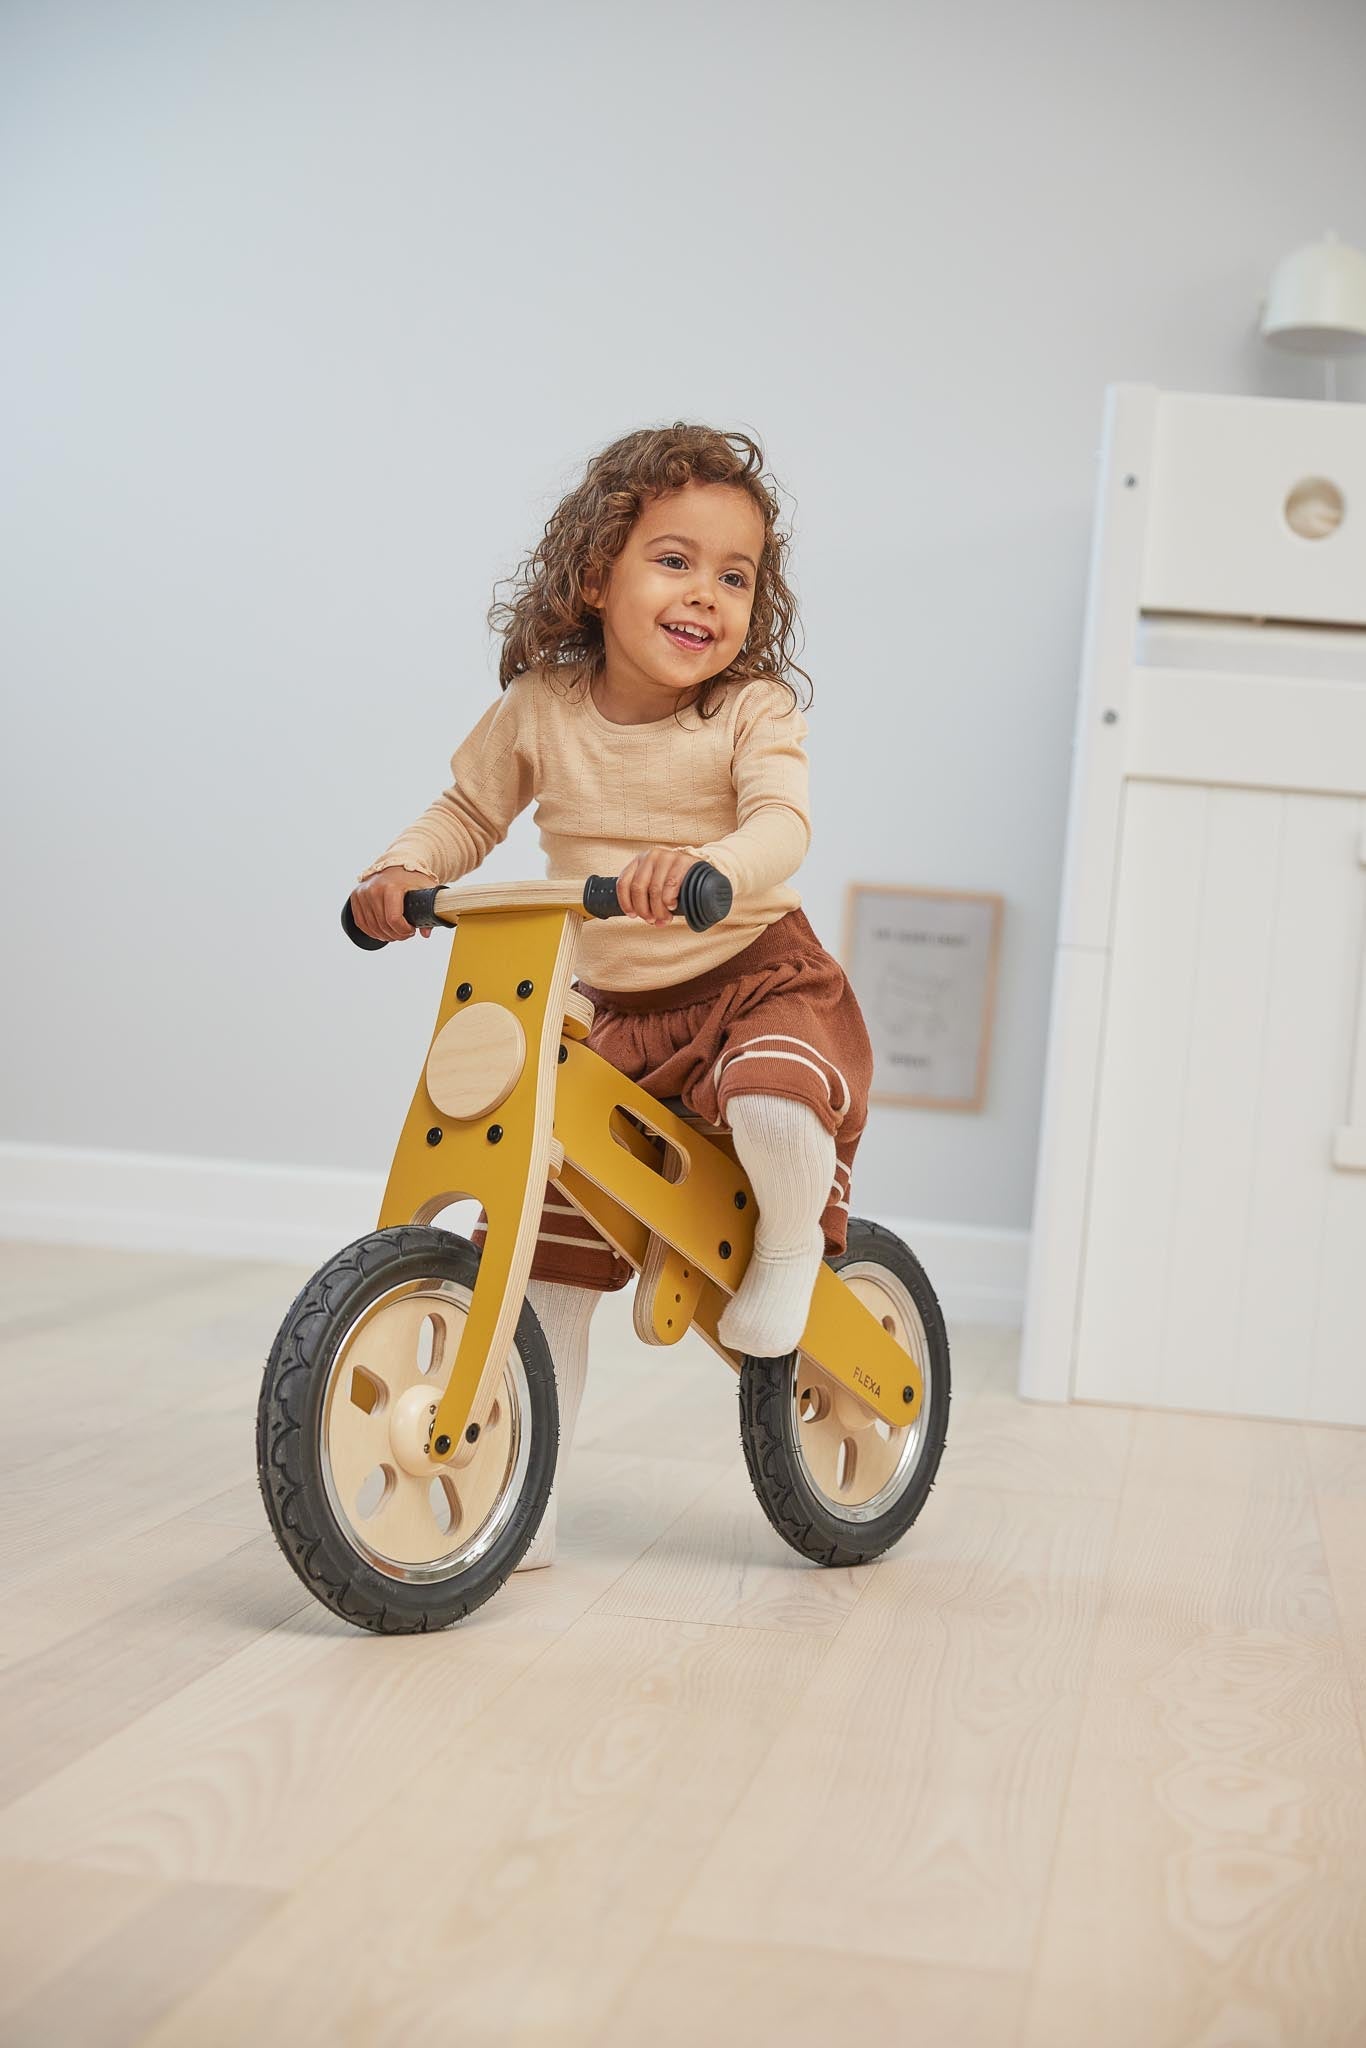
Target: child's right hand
{"x": 377, "y": 903}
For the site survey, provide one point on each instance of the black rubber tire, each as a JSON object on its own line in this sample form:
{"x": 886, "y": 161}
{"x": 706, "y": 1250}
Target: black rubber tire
{"x": 801, "y": 1516}
{"x": 288, "y": 1449}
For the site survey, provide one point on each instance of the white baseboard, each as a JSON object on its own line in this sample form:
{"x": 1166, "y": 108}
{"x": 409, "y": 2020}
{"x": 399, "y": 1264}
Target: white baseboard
{"x": 228, "y": 1208}
{"x": 978, "y": 1274}
{"x": 163, "y": 1202}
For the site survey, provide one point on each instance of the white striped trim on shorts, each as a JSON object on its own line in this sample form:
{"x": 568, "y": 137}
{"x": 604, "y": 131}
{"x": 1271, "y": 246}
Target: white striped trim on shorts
{"x": 754, "y": 1049}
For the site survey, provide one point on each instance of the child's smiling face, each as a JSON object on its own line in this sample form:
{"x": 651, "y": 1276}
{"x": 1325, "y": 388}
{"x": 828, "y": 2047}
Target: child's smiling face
{"x": 679, "y": 597}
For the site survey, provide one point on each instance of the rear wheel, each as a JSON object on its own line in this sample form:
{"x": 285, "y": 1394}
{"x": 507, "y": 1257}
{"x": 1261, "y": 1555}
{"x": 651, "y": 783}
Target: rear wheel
{"x": 352, "y": 1385}
{"x": 838, "y": 1483}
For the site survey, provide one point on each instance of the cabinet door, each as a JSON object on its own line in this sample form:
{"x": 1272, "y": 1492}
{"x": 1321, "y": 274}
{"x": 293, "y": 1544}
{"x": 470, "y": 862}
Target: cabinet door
{"x": 1225, "y": 1259}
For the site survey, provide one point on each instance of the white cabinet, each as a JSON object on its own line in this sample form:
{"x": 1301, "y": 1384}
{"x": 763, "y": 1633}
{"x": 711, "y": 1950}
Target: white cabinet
{"x": 1200, "y": 1223}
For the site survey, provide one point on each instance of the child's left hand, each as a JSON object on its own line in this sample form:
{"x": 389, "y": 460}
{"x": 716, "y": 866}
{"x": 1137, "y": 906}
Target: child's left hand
{"x": 648, "y": 886}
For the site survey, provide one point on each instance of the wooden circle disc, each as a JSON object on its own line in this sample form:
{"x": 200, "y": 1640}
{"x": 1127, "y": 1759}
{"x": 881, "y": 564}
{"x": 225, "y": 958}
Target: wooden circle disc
{"x": 476, "y": 1060}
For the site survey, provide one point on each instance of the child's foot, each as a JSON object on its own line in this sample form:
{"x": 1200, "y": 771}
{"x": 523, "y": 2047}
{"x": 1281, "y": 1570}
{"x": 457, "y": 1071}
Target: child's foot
{"x": 768, "y": 1313}
{"x": 541, "y": 1549}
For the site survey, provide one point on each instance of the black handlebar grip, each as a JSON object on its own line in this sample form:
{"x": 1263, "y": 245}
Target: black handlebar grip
{"x": 419, "y": 907}
{"x": 354, "y": 932}
{"x": 704, "y": 898}
{"x": 600, "y": 896}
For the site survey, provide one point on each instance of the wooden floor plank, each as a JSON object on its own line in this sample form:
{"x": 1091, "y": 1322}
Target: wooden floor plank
{"x": 118, "y": 1988}
{"x": 77, "y": 1695}
{"x": 57, "y": 1284}
{"x": 1020, "y": 1447}
{"x": 197, "y": 1755}
{"x": 1079, "y": 1763}
{"x": 113, "y": 1488}
{"x": 138, "y": 1362}
{"x": 1337, "y": 1463}
{"x": 1211, "y": 1877}
{"x": 108, "y": 1577}
{"x": 50, "y": 1918}
{"x": 676, "y": 1401}
{"x": 766, "y": 1996}
{"x": 499, "y": 1898}
{"x": 1342, "y": 1524}
{"x": 984, "y": 1359}
{"x": 932, "y": 1754}
{"x": 1218, "y": 1528}
{"x": 722, "y": 1562}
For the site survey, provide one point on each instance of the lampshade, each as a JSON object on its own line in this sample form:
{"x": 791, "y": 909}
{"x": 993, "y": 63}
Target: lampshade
{"x": 1316, "y": 302}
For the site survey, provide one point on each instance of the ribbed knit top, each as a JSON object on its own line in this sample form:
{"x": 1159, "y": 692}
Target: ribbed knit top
{"x": 732, "y": 788}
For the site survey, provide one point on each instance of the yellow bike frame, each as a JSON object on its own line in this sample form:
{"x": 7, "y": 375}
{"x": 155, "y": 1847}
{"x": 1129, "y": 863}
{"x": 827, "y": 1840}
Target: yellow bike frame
{"x": 551, "y": 1111}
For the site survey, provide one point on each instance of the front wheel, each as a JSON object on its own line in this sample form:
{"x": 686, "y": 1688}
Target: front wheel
{"x": 837, "y": 1483}
{"x": 353, "y": 1382}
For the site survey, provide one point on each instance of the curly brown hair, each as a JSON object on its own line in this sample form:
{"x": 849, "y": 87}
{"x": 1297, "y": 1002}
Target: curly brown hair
{"x": 547, "y": 620}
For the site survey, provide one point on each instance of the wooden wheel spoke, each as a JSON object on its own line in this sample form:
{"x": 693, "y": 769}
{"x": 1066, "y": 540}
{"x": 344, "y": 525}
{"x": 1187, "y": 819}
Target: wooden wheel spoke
{"x": 818, "y": 1427}
{"x": 357, "y": 1440}
{"x": 407, "y": 1341}
{"x": 878, "y": 1457}
{"x": 405, "y": 1525}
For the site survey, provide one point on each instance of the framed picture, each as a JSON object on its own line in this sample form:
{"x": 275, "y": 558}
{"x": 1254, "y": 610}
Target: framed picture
{"x": 922, "y": 963}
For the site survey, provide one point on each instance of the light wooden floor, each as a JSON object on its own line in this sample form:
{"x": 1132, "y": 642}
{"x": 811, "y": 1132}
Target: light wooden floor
{"x": 1079, "y": 1766}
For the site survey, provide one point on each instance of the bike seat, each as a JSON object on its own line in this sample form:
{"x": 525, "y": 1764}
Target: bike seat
{"x": 688, "y": 1116}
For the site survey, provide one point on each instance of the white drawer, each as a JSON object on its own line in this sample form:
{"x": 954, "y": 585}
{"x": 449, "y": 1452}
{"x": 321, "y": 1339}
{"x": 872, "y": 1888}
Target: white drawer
{"x": 1247, "y": 731}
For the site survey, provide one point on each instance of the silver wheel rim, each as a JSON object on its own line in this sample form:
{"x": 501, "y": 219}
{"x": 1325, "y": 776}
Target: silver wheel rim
{"x": 383, "y": 1384}
{"x": 857, "y": 1466}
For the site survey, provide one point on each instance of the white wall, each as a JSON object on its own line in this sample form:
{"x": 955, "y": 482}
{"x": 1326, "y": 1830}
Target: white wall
{"x": 311, "y": 309}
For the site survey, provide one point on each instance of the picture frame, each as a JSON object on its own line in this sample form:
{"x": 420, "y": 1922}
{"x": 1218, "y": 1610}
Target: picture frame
{"x": 923, "y": 964}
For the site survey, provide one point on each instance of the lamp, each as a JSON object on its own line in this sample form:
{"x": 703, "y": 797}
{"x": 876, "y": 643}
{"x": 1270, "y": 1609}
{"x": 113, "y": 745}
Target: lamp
{"x": 1316, "y": 301}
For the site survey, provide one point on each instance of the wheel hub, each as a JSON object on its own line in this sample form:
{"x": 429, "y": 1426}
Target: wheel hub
{"x": 409, "y": 1428}
{"x": 384, "y": 1388}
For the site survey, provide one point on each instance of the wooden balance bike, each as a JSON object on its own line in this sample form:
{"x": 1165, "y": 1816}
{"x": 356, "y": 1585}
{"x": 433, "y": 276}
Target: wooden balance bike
{"x": 408, "y": 1426}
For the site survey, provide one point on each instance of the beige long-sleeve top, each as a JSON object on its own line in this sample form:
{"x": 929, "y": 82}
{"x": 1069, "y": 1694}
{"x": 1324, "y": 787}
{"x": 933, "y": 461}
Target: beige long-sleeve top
{"x": 732, "y": 787}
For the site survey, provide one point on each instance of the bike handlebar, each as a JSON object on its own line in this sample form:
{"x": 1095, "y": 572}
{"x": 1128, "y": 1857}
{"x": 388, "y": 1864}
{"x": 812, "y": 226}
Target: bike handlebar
{"x": 704, "y": 899}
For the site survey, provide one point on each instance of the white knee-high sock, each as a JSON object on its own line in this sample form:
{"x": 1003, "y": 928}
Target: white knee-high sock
{"x": 564, "y": 1314}
{"x": 790, "y": 1159}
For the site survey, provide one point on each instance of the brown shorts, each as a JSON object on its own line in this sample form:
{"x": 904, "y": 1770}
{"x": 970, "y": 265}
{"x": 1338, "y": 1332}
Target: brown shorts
{"x": 778, "y": 1018}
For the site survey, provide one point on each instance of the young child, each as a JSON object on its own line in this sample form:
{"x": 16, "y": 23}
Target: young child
{"x": 646, "y": 712}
